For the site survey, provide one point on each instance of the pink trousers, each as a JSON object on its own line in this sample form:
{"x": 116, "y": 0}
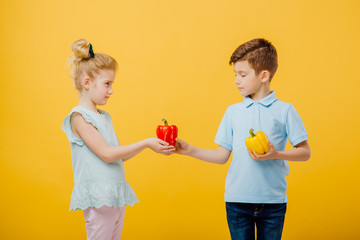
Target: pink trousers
{"x": 105, "y": 223}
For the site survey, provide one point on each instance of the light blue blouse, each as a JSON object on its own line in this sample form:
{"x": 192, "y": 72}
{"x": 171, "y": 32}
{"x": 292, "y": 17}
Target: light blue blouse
{"x": 97, "y": 183}
{"x": 248, "y": 180}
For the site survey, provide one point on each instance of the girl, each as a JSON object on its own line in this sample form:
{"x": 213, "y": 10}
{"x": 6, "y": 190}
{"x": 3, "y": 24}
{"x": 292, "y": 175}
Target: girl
{"x": 100, "y": 188}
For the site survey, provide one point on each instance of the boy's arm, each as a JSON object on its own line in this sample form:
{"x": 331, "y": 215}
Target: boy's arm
{"x": 301, "y": 152}
{"x": 219, "y": 156}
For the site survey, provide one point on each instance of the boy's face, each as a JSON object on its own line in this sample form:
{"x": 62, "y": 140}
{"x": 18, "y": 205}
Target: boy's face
{"x": 246, "y": 79}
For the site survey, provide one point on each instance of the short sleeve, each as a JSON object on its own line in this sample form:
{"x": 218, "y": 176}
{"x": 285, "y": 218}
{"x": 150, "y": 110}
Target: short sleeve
{"x": 66, "y": 126}
{"x": 295, "y": 128}
{"x": 224, "y": 135}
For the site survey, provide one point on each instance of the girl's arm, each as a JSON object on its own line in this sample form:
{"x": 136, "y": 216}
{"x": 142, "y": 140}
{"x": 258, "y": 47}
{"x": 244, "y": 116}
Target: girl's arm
{"x": 123, "y": 159}
{"x": 219, "y": 156}
{"x": 96, "y": 143}
{"x": 301, "y": 152}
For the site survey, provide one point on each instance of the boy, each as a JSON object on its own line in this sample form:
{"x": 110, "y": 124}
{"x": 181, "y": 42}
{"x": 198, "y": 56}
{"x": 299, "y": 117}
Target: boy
{"x": 255, "y": 188}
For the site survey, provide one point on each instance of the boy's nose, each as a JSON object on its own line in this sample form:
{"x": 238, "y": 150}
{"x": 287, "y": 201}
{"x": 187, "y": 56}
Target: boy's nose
{"x": 237, "y": 81}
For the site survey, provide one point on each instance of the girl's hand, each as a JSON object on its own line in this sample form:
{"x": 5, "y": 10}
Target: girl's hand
{"x": 182, "y": 147}
{"x": 160, "y": 146}
{"x": 271, "y": 154}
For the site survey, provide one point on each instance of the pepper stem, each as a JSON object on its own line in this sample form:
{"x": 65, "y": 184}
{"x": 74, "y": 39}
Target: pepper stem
{"x": 165, "y": 122}
{"x": 251, "y": 131}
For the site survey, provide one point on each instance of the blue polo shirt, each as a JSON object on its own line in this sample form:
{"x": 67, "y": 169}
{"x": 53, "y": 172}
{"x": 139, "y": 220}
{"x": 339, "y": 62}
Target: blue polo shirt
{"x": 248, "y": 180}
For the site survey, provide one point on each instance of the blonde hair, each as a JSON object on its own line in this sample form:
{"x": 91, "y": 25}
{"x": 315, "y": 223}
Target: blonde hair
{"x": 82, "y": 62}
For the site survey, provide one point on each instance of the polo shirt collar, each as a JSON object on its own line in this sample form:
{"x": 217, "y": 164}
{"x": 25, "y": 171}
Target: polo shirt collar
{"x": 266, "y": 101}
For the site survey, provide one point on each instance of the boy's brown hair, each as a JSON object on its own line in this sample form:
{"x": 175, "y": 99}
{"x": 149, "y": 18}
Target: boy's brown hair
{"x": 260, "y": 54}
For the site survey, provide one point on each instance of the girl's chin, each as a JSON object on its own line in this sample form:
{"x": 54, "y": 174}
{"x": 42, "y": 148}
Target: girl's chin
{"x": 101, "y": 103}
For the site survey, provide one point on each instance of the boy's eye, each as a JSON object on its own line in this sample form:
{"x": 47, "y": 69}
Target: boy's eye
{"x": 241, "y": 75}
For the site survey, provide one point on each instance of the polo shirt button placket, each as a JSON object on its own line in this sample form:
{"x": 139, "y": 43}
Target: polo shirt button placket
{"x": 257, "y": 115}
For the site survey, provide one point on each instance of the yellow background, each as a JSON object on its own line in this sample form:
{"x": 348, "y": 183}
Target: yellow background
{"x": 173, "y": 58}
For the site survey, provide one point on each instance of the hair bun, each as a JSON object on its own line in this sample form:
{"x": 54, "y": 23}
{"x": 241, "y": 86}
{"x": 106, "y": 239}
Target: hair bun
{"x": 80, "y": 49}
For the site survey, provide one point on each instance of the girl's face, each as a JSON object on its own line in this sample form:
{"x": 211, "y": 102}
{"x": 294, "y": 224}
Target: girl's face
{"x": 101, "y": 87}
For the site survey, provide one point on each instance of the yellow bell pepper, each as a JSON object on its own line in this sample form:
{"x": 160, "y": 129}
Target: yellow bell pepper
{"x": 257, "y": 142}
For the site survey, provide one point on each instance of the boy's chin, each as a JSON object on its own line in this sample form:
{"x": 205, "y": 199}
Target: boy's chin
{"x": 244, "y": 94}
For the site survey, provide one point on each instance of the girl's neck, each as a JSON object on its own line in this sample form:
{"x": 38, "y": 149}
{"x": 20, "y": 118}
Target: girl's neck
{"x": 87, "y": 103}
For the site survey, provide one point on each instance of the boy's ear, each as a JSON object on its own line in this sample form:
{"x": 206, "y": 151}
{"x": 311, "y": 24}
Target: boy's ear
{"x": 265, "y": 76}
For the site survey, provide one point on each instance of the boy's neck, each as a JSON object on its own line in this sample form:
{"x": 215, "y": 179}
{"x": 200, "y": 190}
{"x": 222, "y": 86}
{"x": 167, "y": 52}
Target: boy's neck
{"x": 260, "y": 94}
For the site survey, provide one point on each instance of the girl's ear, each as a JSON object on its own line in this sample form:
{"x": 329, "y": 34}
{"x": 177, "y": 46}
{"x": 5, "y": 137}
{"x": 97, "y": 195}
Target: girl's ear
{"x": 265, "y": 76}
{"x": 86, "y": 82}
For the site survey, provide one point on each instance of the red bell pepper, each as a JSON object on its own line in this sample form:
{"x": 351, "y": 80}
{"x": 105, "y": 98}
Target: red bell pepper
{"x": 167, "y": 133}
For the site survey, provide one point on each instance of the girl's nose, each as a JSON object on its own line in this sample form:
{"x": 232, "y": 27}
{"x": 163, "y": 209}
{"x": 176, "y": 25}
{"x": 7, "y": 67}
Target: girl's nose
{"x": 110, "y": 90}
{"x": 237, "y": 81}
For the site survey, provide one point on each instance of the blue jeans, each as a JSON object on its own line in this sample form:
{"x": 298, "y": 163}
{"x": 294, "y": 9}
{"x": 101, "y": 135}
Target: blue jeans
{"x": 268, "y": 218}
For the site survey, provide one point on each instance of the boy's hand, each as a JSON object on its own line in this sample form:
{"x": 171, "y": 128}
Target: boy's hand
{"x": 160, "y": 146}
{"x": 182, "y": 147}
{"x": 271, "y": 154}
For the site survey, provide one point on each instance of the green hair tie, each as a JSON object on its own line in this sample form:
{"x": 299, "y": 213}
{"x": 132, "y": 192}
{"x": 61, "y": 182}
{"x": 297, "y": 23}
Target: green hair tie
{"x": 91, "y": 51}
